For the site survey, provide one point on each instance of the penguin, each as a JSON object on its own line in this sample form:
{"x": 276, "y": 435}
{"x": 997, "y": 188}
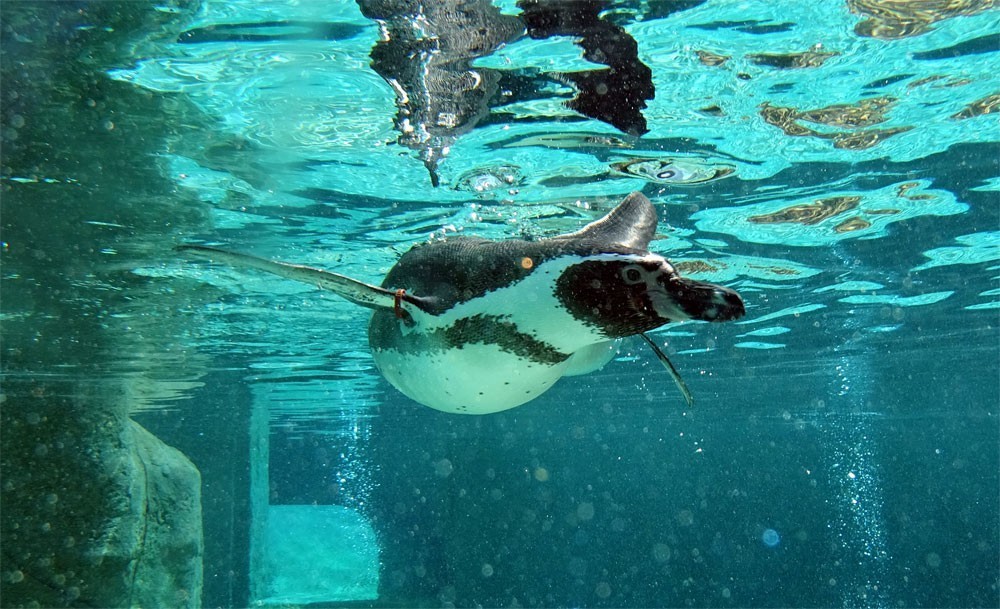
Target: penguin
{"x": 473, "y": 326}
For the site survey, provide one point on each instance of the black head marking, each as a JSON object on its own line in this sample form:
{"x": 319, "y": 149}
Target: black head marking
{"x": 611, "y": 296}
{"x": 626, "y": 295}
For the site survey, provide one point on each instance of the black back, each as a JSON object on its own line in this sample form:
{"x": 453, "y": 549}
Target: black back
{"x": 460, "y": 269}
{"x": 445, "y": 273}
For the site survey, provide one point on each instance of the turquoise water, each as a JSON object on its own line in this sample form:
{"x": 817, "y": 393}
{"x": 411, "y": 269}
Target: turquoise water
{"x": 834, "y": 163}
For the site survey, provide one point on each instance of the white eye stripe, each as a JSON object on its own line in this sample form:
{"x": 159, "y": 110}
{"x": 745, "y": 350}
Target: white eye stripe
{"x": 644, "y": 259}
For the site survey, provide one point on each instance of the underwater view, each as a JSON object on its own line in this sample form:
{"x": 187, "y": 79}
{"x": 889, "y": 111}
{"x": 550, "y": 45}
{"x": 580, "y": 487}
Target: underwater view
{"x": 510, "y": 303}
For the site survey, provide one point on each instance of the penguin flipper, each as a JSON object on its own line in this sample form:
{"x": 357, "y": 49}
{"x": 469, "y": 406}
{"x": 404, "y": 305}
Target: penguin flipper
{"x": 674, "y": 374}
{"x": 358, "y": 292}
{"x": 631, "y": 224}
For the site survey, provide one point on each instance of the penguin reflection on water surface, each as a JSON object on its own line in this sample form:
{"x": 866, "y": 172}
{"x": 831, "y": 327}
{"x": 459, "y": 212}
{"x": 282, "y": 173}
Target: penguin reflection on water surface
{"x": 473, "y": 326}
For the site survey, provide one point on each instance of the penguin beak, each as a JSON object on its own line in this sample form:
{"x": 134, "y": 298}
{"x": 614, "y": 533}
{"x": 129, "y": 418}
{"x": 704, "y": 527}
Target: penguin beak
{"x": 689, "y": 299}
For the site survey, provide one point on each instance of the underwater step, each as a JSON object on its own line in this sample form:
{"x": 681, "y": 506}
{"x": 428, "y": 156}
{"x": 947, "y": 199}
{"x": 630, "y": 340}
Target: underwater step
{"x": 317, "y": 554}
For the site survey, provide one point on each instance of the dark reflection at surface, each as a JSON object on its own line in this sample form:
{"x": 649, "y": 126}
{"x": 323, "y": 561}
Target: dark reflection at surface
{"x": 270, "y": 31}
{"x": 784, "y": 61}
{"x": 865, "y": 113}
{"x": 749, "y": 26}
{"x": 891, "y": 19}
{"x": 986, "y": 105}
{"x": 616, "y": 95}
{"x": 976, "y": 46}
{"x": 426, "y": 53}
{"x": 427, "y": 50}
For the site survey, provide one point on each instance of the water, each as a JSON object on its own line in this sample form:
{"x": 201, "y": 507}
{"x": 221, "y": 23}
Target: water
{"x": 842, "y": 448}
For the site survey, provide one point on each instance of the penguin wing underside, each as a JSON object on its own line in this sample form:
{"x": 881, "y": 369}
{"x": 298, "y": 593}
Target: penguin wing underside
{"x": 358, "y": 292}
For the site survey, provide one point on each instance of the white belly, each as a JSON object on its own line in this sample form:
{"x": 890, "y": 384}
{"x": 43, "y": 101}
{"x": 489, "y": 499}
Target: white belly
{"x": 591, "y": 358}
{"x": 479, "y": 376}
{"x": 476, "y": 379}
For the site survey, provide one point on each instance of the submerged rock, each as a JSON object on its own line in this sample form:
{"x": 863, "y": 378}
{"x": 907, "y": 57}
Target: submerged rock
{"x": 97, "y": 511}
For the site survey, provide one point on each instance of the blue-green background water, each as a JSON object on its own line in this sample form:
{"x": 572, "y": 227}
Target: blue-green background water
{"x": 843, "y": 445}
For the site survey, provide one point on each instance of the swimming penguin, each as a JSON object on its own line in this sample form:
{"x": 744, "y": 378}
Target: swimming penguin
{"x": 473, "y": 326}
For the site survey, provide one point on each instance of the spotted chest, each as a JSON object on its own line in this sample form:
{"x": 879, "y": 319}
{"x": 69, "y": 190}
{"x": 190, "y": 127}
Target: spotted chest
{"x": 495, "y": 351}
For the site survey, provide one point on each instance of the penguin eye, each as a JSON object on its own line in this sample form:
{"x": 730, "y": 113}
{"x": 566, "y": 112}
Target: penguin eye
{"x": 632, "y": 275}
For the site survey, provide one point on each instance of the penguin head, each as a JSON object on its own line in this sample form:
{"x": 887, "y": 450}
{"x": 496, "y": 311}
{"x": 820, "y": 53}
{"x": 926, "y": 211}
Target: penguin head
{"x": 622, "y": 294}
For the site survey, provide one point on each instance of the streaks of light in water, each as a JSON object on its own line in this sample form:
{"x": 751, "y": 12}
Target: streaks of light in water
{"x": 758, "y": 345}
{"x": 793, "y": 311}
{"x": 851, "y": 286}
{"x": 730, "y": 268}
{"x": 984, "y": 306}
{"x": 899, "y": 301}
{"x": 992, "y": 184}
{"x": 840, "y": 215}
{"x": 776, "y": 330}
{"x": 973, "y": 249}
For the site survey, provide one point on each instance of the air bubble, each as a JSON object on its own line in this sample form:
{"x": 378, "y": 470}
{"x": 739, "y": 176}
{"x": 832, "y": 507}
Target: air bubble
{"x": 443, "y": 468}
{"x": 770, "y": 538}
{"x": 933, "y": 560}
{"x": 661, "y": 552}
{"x": 603, "y": 590}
